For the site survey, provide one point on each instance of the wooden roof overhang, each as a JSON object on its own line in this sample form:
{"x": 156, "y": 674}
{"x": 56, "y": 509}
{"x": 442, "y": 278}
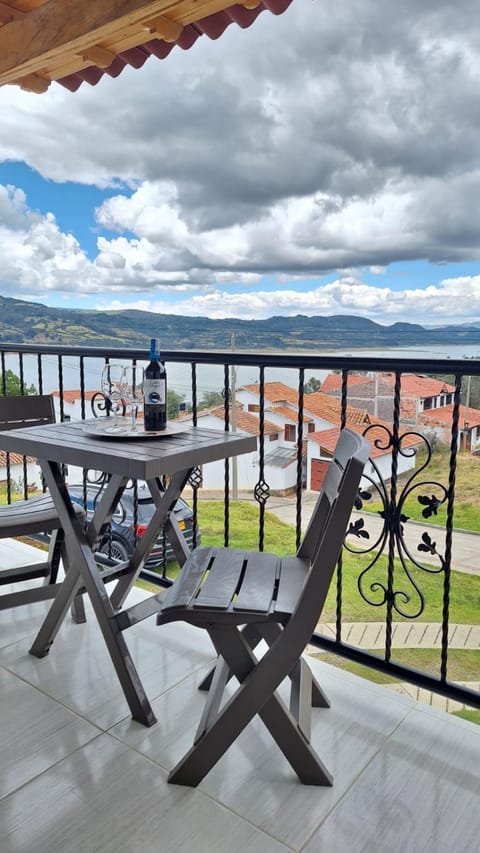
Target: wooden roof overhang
{"x": 76, "y": 41}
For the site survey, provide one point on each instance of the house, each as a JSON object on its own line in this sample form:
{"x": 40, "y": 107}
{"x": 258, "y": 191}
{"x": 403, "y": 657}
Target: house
{"x": 12, "y": 466}
{"x": 321, "y": 421}
{"x": 424, "y": 402}
{"x": 73, "y": 407}
{"x": 322, "y": 444}
{"x": 376, "y": 394}
{"x": 438, "y": 421}
{"x": 280, "y": 458}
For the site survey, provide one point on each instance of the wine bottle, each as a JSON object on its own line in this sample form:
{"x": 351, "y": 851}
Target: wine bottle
{"x": 155, "y": 390}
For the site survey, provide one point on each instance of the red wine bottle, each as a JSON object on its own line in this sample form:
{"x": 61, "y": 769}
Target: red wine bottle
{"x": 155, "y": 385}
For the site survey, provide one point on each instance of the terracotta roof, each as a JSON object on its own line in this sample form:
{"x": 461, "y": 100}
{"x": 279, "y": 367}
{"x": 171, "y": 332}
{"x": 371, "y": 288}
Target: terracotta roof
{"x": 327, "y": 439}
{"x": 15, "y": 459}
{"x": 420, "y": 386}
{"x": 327, "y": 407}
{"x": 274, "y": 392}
{"x": 73, "y": 396}
{"x": 333, "y": 382}
{"x": 244, "y": 421}
{"x": 288, "y": 414}
{"x": 79, "y": 41}
{"x": 444, "y": 416}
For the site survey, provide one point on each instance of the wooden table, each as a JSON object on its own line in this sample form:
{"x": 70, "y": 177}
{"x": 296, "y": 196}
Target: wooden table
{"x": 171, "y": 456}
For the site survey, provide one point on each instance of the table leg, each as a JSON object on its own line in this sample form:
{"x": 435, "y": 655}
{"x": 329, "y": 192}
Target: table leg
{"x": 164, "y": 502}
{"x": 83, "y": 570}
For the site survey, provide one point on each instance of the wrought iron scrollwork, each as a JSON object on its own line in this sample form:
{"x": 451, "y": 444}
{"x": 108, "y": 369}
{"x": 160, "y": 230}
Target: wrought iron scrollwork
{"x": 101, "y": 405}
{"x": 378, "y": 583}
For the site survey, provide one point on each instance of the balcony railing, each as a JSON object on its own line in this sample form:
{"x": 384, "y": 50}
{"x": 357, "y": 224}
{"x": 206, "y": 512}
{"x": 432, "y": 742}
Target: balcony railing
{"x": 396, "y": 563}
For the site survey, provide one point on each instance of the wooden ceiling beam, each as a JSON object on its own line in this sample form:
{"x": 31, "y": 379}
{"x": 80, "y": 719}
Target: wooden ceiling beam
{"x": 164, "y": 28}
{"x": 8, "y": 13}
{"x": 34, "y": 83}
{"x": 65, "y": 26}
{"x": 97, "y": 55}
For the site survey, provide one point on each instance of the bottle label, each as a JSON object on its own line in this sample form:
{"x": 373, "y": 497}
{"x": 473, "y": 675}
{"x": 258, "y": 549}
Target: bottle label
{"x": 154, "y": 391}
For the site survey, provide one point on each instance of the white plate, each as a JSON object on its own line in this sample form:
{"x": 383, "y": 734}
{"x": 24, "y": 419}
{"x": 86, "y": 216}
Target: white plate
{"x": 107, "y": 430}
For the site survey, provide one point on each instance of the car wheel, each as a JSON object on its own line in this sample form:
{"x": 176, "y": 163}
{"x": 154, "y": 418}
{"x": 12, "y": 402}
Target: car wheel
{"x": 116, "y": 550}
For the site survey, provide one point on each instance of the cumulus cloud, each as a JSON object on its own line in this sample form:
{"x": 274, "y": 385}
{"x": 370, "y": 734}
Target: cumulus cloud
{"x": 358, "y": 149}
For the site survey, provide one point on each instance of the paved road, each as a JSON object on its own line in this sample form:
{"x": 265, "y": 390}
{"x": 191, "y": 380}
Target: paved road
{"x": 465, "y": 545}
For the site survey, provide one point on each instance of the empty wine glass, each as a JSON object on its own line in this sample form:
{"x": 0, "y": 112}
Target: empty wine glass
{"x": 132, "y": 390}
{"x": 111, "y": 383}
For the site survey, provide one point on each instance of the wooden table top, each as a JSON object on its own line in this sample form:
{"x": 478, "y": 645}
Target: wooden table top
{"x": 145, "y": 458}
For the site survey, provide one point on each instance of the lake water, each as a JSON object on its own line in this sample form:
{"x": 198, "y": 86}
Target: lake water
{"x": 210, "y": 377}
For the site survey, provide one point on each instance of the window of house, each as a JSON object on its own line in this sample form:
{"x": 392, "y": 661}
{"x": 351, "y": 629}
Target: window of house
{"x": 427, "y": 403}
{"x": 273, "y": 436}
{"x": 253, "y": 407}
{"x": 311, "y": 427}
{"x": 290, "y": 432}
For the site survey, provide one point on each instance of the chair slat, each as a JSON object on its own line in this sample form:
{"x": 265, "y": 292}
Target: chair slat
{"x": 186, "y": 585}
{"x": 222, "y": 581}
{"x": 258, "y": 583}
{"x": 292, "y": 577}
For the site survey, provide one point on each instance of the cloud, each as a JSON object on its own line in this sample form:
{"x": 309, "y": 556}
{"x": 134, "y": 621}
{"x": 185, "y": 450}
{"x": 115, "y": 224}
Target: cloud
{"x": 353, "y": 147}
{"x": 453, "y": 300}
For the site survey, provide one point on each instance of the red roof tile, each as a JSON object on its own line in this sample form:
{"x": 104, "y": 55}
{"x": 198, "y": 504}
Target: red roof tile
{"x": 333, "y": 382}
{"x": 212, "y": 26}
{"x": 444, "y": 416}
{"x": 328, "y": 438}
{"x": 274, "y": 392}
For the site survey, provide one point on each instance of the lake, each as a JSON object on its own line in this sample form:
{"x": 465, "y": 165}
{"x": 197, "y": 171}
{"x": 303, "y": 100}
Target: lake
{"x": 210, "y": 377}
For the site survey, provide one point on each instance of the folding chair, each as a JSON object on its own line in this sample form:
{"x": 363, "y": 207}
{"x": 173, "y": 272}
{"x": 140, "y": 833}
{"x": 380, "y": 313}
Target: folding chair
{"x": 243, "y": 597}
{"x": 35, "y": 515}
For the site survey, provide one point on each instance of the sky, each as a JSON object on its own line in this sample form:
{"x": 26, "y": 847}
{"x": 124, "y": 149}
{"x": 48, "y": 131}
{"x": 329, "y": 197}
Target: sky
{"x": 325, "y": 161}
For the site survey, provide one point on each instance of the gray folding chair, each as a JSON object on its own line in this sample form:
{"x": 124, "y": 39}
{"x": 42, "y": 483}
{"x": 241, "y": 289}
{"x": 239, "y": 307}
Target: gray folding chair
{"x": 243, "y": 597}
{"x": 35, "y": 515}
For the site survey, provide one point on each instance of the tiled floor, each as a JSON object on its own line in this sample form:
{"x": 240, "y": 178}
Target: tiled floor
{"x": 78, "y": 776}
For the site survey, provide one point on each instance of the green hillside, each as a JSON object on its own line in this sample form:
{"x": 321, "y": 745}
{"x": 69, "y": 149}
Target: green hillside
{"x": 29, "y": 322}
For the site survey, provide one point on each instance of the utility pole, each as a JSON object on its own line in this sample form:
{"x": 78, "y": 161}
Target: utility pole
{"x": 234, "y": 421}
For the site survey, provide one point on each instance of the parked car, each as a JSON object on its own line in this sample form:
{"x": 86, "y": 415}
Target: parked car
{"x": 124, "y": 531}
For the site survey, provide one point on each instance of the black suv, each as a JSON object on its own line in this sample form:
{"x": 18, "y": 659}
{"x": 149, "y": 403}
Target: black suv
{"x": 122, "y": 541}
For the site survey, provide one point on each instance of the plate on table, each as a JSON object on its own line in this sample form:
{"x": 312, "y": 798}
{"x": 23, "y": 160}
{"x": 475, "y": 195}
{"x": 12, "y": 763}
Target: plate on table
{"x": 107, "y": 430}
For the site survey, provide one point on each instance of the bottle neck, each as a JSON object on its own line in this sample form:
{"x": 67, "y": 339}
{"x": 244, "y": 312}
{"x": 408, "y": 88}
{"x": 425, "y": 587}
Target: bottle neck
{"x": 154, "y": 351}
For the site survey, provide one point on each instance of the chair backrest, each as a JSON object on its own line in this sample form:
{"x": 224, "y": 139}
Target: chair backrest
{"x": 18, "y": 412}
{"x": 325, "y": 533}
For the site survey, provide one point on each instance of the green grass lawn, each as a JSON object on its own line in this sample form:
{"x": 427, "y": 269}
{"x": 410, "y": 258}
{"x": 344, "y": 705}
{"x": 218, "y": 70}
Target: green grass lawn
{"x": 463, "y": 664}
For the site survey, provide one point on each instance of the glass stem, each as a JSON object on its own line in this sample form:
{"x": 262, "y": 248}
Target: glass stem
{"x": 134, "y": 416}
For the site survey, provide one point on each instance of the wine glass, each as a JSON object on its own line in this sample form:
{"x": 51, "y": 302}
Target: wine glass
{"x": 132, "y": 389}
{"x": 111, "y": 389}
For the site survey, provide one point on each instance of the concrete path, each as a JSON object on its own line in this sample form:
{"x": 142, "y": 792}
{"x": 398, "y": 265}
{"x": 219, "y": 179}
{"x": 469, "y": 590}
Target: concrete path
{"x": 413, "y": 635}
{"x": 418, "y": 635}
{"x": 465, "y": 544}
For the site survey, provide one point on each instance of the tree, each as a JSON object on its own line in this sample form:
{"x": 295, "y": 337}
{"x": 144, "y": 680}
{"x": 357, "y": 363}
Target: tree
{"x": 173, "y": 403}
{"x": 12, "y": 385}
{"x": 312, "y": 385}
{"x": 211, "y": 399}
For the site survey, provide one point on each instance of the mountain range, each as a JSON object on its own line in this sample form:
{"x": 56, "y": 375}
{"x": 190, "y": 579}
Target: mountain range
{"x": 31, "y": 322}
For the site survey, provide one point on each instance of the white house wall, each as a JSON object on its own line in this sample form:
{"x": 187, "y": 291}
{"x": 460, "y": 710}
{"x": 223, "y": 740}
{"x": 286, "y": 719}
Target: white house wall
{"x": 278, "y": 479}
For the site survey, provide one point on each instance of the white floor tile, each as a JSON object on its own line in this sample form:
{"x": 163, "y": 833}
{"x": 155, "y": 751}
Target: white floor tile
{"x": 419, "y": 794}
{"x": 107, "y": 798}
{"x": 35, "y": 732}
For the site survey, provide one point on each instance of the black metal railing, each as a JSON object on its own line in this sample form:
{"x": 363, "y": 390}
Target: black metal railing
{"x": 393, "y": 567}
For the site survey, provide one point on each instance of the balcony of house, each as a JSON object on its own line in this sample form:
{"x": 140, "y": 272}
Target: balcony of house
{"x": 397, "y": 649}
